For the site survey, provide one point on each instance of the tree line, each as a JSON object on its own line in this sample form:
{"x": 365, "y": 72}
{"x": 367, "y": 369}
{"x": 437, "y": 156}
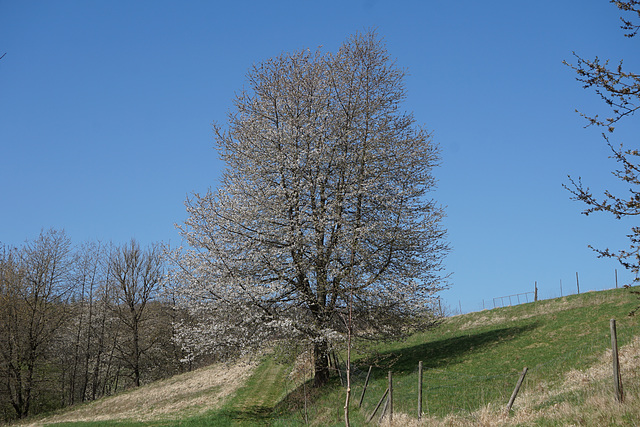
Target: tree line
{"x": 81, "y": 322}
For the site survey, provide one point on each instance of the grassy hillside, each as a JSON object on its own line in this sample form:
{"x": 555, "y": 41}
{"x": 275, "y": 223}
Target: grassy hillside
{"x": 471, "y": 364}
{"x": 190, "y": 395}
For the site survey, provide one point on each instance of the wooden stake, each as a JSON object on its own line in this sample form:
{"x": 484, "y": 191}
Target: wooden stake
{"x": 384, "y": 410}
{"x": 577, "y": 282}
{"x": 420, "y": 390}
{"x": 373, "y": 414}
{"x": 515, "y": 391}
{"x": 617, "y": 379}
{"x": 390, "y": 397}
{"x": 366, "y": 382}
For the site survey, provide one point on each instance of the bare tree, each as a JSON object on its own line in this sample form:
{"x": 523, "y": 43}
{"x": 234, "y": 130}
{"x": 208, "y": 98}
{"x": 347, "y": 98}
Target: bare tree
{"x": 34, "y": 286}
{"x": 138, "y": 274}
{"x": 620, "y": 90}
{"x": 81, "y": 345}
{"x": 326, "y": 180}
{"x": 74, "y": 322}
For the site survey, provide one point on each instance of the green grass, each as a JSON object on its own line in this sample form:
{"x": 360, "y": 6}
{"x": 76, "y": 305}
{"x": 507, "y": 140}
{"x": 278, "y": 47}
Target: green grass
{"x": 470, "y": 361}
{"x": 254, "y": 403}
{"x": 475, "y": 359}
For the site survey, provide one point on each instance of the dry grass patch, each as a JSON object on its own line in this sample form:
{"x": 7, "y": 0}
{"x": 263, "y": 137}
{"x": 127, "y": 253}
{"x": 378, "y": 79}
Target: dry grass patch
{"x": 629, "y": 356}
{"x": 192, "y": 393}
{"x": 484, "y": 320}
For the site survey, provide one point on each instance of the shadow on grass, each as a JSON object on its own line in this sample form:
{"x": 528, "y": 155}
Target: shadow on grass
{"x": 293, "y": 403}
{"x": 402, "y": 361}
{"x": 444, "y": 352}
{"x": 254, "y": 415}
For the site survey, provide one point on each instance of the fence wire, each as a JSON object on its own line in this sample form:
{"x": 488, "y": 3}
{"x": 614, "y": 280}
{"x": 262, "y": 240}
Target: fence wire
{"x": 451, "y": 387}
{"x": 449, "y": 390}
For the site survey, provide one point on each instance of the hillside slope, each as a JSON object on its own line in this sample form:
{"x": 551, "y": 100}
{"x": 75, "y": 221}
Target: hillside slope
{"x": 471, "y": 364}
{"x": 190, "y": 394}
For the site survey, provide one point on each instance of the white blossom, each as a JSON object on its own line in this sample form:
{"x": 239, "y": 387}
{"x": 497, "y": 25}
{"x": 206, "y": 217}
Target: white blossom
{"x": 325, "y": 196}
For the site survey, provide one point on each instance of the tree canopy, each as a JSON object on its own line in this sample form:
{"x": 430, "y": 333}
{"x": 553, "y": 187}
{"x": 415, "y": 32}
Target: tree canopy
{"x": 324, "y": 201}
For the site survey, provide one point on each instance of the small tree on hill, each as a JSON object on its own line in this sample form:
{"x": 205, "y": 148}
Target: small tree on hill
{"x": 325, "y": 195}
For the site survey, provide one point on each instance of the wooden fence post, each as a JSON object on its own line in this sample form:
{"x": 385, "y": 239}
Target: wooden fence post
{"x": 535, "y": 297}
{"x": 420, "y": 390}
{"x": 373, "y": 414}
{"x": 515, "y": 391}
{"x": 384, "y": 410}
{"x": 390, "y": 397}
{"x": 577, "y": 282}
{"x": 366, "y": 382}
{"x": 617, "y": 379}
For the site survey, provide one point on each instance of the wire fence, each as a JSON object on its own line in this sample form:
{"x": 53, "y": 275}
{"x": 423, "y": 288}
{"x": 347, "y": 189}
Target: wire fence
{"x": 453, "y": 391}
{"x": 456, "y": 389}
{"x": 543, "y": 292}
{"x": 514, "y": 299}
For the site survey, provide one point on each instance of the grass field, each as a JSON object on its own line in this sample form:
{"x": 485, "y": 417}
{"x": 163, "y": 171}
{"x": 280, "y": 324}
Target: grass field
{"x": 471, "y": 365}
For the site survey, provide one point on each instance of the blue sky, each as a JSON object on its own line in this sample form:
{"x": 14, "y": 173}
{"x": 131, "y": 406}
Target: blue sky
{"x": 106, "y": 110}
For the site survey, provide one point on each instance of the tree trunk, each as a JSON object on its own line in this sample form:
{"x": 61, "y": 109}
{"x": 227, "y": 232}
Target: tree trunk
{"x": 321, "y": 363}
{"x": 136, "y": 351}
